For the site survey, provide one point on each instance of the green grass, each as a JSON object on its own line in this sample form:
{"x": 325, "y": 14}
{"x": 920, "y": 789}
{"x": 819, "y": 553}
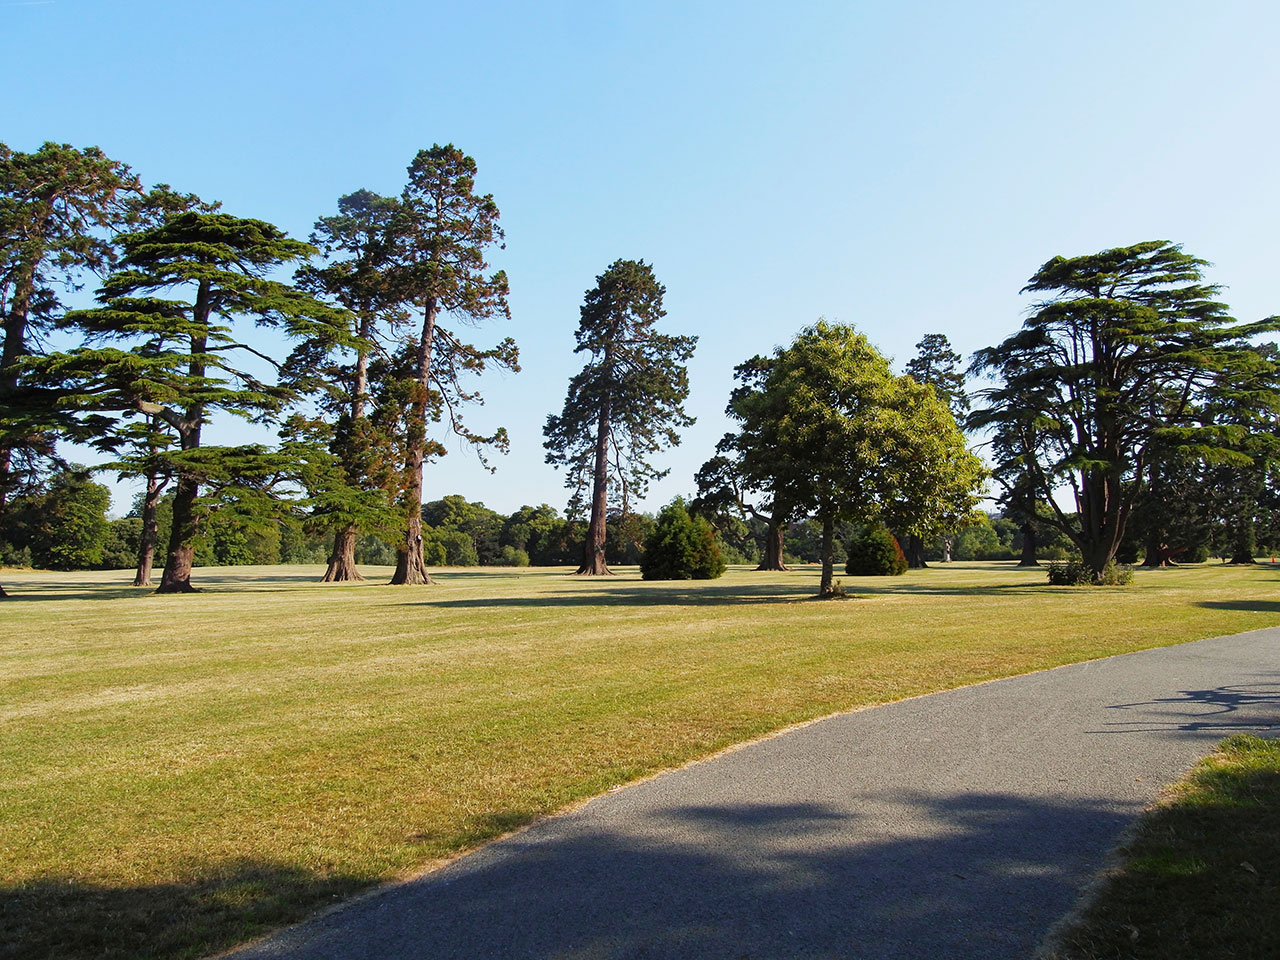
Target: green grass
{"x": 1200, "y": 879}
{"x": 180, "y": 773}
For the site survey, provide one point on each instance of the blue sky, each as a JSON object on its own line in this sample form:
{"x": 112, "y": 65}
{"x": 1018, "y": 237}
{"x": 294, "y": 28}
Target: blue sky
{"x": 901, "y": 167}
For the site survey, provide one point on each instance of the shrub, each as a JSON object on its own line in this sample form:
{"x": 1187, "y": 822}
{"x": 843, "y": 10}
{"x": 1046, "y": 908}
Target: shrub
{"x": 1074, "y": 573}
{"x": 875, "y": 553}
{"x": 513, "y": 557}
{"x": 681, "y": 547}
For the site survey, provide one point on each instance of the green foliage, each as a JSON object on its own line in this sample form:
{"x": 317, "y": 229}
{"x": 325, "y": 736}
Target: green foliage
{"x": 875, "y": 552}
{"x": 63, "y": 526}
{"x": 681, "y": 547}
{"x": 120, "y": 547}
{"x": 1076, "y": 573}
{"x": 1108, "y": 375}
{"x": 937, "y": 365}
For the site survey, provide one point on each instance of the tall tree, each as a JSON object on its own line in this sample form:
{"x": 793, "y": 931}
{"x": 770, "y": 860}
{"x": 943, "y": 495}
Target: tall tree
{"x": 1113, "y": 361}
{"x": 441, "y": 234}
{"x": 59, "y": 208}
{"x": 625, "y": 405}
{"x": 938, "y": 366}
{"x": 178, "y": 288}
{"x": 359, "y": 246}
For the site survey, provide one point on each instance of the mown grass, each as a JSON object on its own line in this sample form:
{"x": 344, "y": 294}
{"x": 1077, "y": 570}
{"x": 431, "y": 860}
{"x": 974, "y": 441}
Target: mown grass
{"x": 180, "y": 773}
{"x": 1200, "y": 880}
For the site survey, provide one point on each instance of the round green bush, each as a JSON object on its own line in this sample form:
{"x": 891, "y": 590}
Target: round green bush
{"x": 875, "y": 553}
{"x": 681, "y": 547}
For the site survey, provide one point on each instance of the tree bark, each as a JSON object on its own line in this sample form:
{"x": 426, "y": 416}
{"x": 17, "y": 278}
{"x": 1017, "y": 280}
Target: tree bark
{"x": 773, "y": 545}
{"x": 150, "y": 531}
{"x": 915, "y": 552}
{"x": 1028, "y": 545}
{"x": 177, "y": 568}
{"x": 947, "y": 542}
{"x": 593, "y": 551}
{"x": 342, "y": 561}
{"x": 827, "y": 587}
{"x": 411, "y": 568}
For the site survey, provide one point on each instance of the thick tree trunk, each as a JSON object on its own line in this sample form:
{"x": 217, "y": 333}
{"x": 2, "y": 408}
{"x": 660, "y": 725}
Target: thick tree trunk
{"x": 593, "y": 559}
{"x": 1245, "y": 541}
{"x": 827, "y": 587}
{"x": 773, "y": 545}
{"x": 915, "y": 552}
{"x": 342, "y": 562}
{"x": 150, "y": 531}
{"x": 177, "y": 568}
{"x": 411, "y": 568}
{"x": 1028, "y": 545}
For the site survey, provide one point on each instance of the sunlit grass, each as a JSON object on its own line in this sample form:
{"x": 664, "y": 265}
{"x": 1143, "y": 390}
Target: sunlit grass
{"x": 180, "y": 771}
{"x": 1200, "y": 879}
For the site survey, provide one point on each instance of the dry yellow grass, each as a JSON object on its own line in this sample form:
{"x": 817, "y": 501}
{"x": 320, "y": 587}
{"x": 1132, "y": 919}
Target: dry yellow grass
{"x": 181, "y": 771}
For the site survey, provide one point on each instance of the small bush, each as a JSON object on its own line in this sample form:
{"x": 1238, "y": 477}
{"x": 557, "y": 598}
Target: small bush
{"x": 513, "y": 557}
{"x": 875, "y": 553}
{"x": 681, "y": 547}
{"x": 1074, "y": 573}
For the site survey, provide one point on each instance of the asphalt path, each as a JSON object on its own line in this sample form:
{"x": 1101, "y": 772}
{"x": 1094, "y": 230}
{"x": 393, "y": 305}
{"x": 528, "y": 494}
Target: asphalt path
{"x": 957, "y": 825}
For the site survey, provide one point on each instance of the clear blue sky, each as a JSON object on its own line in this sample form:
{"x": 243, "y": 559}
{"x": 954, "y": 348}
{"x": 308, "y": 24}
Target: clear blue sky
{"x": 903, "y": 167}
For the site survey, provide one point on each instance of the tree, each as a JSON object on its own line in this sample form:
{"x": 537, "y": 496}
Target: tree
{"x": 441, "y": 235}
{"x": 939, "y": 481}
{"x": 59, "y": 207}
{"x": 625, "y": 405}
{"x": 210, "y": 269}
{"x": 1113, "y": 362}
{"x": 359, "y": 244}
{"x": 937, "y": 365}
{"x": 64, "y": 525}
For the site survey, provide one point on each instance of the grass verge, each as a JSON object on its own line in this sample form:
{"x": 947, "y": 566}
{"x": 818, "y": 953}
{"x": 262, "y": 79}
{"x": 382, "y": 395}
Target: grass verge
{"x": 181, "y": 773}
{"x": 1200, "y": 880}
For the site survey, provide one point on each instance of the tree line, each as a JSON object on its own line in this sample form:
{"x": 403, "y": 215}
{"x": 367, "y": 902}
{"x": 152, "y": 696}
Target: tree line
{"x": 1130, "y": 404}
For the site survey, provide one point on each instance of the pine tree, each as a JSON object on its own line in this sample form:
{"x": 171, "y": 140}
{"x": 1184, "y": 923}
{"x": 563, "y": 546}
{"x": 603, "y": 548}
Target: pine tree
{"x": 625, "y": 405}
{"x": 441, "y": 235}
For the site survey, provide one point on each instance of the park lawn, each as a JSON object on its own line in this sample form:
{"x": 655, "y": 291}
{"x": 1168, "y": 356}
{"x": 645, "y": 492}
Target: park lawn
{"x": 1199, "y": 878}
{"x": 181, "y": 773}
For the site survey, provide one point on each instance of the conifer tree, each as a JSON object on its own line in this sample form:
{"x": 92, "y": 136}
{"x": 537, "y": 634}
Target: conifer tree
{"x": 441, "y": 235}
{"x": 171, "y": 301}
{"x": 625, "y": 405}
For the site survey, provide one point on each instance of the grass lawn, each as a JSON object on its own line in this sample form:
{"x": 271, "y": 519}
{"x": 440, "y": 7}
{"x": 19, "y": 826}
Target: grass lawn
{"x": 179, "y": 773}
{"x": 1200, "y": 879}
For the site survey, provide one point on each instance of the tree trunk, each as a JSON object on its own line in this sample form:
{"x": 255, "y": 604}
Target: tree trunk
{"x": 342, "y": 562}
{"x": 177, "y": 568}
{"x": 915, "y": 552}
{"x": 827, "y": 587}
{"x": 1028, "y": 545}
{"x": 947, "y": 542}
{"x": 593, "y": 560}
{"x": 1245, "y": 541}
{"x": 411, "y": 568}
{"x": 150, "y": 531}
{"x": 773, "y": 544}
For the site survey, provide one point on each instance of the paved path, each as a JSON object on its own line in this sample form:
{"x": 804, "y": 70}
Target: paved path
{"x": 959, "y": 825}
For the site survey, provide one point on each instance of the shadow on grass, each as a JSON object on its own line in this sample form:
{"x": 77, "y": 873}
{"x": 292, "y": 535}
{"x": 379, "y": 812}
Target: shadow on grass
{"x": 70, "y": 920}
{"x": 1200, "y": 711}
{"x": 984, "y": 877}
{"x": 1249, "y": 606}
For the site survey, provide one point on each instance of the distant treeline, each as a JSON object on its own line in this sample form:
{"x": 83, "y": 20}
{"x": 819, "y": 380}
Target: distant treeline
{"x": 66, "y": 527}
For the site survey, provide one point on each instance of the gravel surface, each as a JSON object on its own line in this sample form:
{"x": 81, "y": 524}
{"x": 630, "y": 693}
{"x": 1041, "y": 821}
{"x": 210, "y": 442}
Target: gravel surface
{"x": 958, "y": 825}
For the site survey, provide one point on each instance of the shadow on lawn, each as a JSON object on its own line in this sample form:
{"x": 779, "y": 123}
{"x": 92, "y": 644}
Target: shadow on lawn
{"x": 984, "y": 877}
{"x": 62, "y": 918}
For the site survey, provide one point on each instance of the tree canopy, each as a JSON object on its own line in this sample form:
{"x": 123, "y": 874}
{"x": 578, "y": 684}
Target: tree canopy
{"x": 1108, "y": 369}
